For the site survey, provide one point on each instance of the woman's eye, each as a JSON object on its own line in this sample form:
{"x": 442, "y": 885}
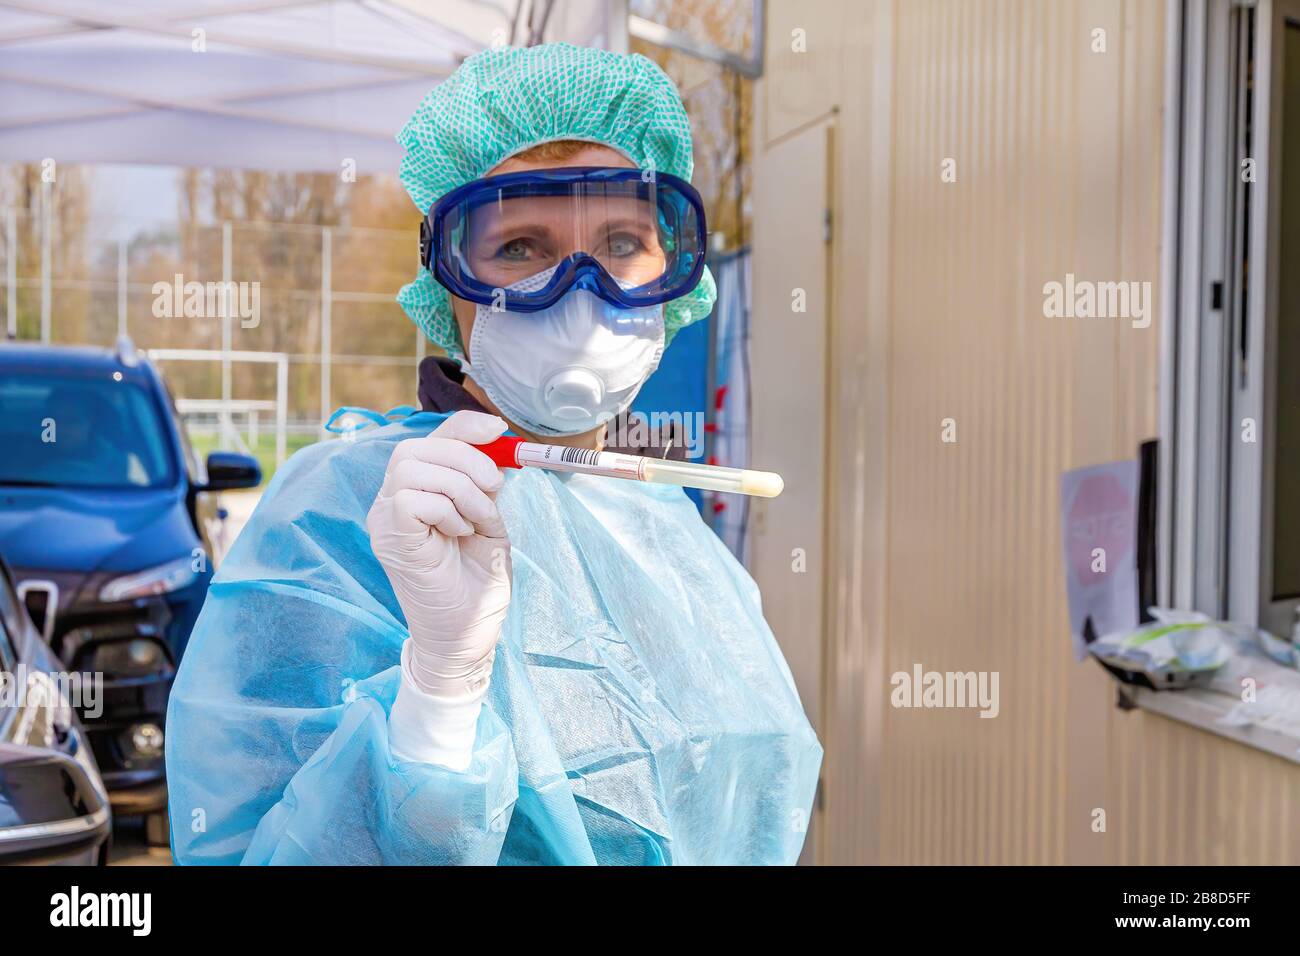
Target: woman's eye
{"x": 516, "y": 250}
{"x": 624, "y": 244}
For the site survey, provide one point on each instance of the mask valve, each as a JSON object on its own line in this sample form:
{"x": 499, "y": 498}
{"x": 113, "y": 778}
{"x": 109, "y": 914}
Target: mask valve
{"x": 573, "y": 394}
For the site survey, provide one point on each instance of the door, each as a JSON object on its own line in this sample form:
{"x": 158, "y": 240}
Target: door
{"x": 788, "y": 363}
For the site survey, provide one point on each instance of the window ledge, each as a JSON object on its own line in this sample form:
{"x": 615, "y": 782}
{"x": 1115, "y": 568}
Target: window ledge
{"x": 1204, "y": 709}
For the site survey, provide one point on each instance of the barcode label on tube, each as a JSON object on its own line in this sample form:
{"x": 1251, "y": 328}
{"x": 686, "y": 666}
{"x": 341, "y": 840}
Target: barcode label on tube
{"x": 585, "y": 461}
{"x": 581, "y": 456}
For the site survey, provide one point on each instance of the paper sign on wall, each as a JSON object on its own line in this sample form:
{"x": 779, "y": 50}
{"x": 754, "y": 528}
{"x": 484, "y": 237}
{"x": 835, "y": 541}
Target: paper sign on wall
{"x": 1099, "y": 538}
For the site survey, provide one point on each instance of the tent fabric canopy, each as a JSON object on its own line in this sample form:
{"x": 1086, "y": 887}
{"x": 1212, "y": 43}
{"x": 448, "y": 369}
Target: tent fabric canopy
{"x": 260, "y": 84}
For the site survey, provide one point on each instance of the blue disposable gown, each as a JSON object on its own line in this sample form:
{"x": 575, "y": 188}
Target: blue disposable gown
{"x": 640, "y": 710}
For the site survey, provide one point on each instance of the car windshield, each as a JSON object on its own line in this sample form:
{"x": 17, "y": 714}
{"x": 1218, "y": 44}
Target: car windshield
{"x": 97, "y": 431}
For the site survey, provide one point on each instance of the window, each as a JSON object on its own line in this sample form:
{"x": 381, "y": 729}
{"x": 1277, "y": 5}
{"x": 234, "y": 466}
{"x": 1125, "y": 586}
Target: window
{"x": 62, "y": 428}
{"x": 1285, "y": 406}
{"x": 1230, "y": 480}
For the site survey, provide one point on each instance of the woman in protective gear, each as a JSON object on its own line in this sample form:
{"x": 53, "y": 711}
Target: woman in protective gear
{"x": 408, "y": 657}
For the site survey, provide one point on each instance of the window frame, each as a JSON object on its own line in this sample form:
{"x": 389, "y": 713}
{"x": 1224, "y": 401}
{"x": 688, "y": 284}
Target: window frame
{"x": 1218, "y": 356}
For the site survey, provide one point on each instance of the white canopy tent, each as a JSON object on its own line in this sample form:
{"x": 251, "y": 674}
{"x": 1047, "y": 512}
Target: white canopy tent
{"x": 265, "y": 84}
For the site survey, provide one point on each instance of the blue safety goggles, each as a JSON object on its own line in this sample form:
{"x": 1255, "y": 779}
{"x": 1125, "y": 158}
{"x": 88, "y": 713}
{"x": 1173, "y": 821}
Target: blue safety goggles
{"x": 520, "y": 241}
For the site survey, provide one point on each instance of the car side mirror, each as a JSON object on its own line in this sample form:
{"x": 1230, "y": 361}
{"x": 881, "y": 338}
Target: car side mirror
{"x": 228, "y": 469}
{"x": 49, "y": 808}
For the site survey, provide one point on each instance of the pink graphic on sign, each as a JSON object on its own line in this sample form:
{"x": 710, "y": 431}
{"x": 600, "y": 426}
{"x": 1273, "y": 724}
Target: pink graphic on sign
{"x": 1101, "y": 519}
{"x": 1099, "y": 548}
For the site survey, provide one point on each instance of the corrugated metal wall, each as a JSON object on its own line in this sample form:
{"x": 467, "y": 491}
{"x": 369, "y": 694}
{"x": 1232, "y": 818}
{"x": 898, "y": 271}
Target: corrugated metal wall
{"x": 948, "y": 554}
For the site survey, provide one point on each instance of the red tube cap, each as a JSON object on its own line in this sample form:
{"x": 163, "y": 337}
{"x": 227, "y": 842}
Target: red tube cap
{"x": 502, "y": 451}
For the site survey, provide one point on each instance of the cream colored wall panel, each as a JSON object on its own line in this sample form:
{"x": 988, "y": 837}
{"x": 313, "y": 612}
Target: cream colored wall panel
{"x": 803, "y": 52}
{"x": 1186, "y": 796}
{"x": 853, "y": 708}
{"x": 1045, "y": 135}
{"x": 1095, "y": 148}
{"x": 788, "y": 364}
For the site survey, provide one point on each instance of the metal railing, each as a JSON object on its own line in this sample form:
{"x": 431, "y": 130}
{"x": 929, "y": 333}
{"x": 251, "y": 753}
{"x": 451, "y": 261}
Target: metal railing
{"x": 225, "y": 407}
{"x": 33, "y": 277}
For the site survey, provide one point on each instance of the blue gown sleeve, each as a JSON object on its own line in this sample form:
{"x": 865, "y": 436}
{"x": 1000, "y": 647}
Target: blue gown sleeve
{"x": 277, "y": 741}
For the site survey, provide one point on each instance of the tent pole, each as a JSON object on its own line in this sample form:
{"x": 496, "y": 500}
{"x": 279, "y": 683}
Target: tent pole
{"x": 11, "y": 271}
{"x": 121, "y": 288}
{"x": 227, "y": 268}
{"x": 281, "y": 407}
{"x": 326, "y": 331}
{"x": 46, "y": 220}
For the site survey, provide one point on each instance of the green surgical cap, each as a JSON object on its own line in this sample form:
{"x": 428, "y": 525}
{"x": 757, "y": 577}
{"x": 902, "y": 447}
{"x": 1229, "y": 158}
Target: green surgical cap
{"x": 501, "y": 102}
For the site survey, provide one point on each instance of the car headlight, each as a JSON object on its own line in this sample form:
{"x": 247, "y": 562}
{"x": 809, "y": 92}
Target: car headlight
{"x": 162, "y": 579}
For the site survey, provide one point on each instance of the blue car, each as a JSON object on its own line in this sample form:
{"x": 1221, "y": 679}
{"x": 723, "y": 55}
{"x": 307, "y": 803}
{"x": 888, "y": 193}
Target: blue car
{"x": 105, "y": 518}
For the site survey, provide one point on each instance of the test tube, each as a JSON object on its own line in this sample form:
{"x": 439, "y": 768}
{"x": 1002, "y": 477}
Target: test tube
{"x": 510, "y": 451}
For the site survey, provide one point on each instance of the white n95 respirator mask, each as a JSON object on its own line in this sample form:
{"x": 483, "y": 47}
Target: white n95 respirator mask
{"x": 568, "y": 368}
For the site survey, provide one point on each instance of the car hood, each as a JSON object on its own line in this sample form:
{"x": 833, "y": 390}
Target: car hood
{"x": 67, "y": 529}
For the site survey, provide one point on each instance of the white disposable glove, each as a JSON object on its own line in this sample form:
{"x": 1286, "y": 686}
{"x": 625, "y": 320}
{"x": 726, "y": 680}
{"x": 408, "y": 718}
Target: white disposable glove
{"x": 437, "y": 532}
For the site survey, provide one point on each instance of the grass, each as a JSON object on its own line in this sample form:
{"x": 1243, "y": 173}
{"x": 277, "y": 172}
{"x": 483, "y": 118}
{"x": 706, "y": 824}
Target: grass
{"x": 264, "y": 451}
